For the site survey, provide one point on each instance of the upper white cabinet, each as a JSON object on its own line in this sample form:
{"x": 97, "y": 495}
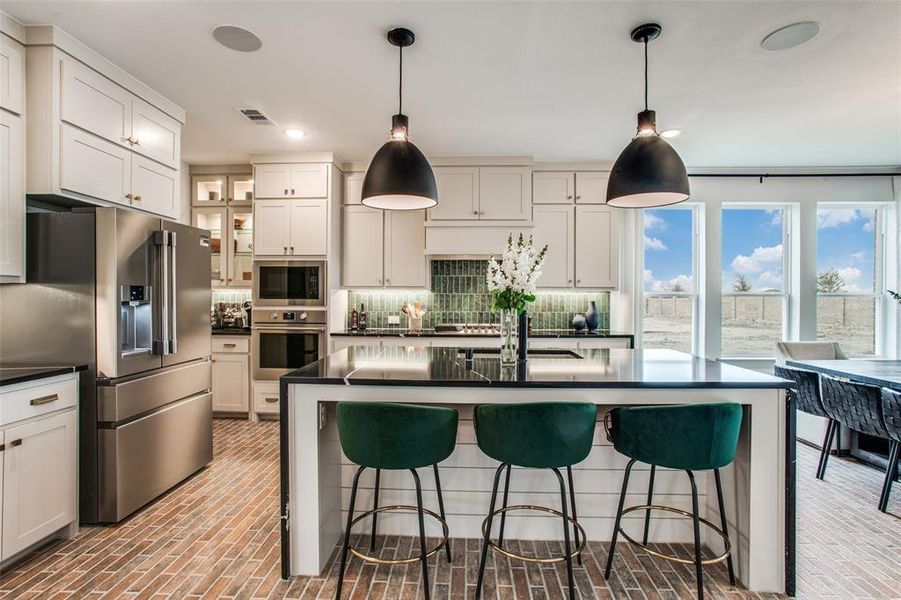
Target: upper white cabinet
{"x": 12, "y": 197}
{"x": 12, "y": 75}
{"x": 291, "y": 180}
{"x": 383, "y": 248}
{"x": 290, "y": 228}
{"x": 597, "y": 247}
{"x": 566, "y": 187}
{"x": 554, "y": 226}
{"x": 483, "y": 193}
{"x": 95, "y": 132}
{"x": 591, "y": 187}
{"x": 209, "y": 191}
{"x": 353, "y": 188}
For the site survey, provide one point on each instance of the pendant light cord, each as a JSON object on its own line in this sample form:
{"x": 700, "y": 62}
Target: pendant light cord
{"x": 645, "y": 73}
{"x": 400, "y": 84}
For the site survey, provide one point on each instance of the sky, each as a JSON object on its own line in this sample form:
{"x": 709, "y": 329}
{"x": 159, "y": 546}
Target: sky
{"x": 752, "y": 246}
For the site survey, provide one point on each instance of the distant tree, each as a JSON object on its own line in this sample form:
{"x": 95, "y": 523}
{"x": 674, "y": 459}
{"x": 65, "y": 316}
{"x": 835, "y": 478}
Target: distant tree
{"x": 829, "y": 282}
{"x": 677, "y": 287}
{"x": 741, "y": 284}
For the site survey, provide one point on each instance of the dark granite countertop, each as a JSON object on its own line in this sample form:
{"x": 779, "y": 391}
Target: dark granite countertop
{"x": 231, "y": 330}
{"x": 536, "y": 333}
{"x": 10, "y": 374}
{"x": 873, "y": 371}
{"x": 600, "y": 368}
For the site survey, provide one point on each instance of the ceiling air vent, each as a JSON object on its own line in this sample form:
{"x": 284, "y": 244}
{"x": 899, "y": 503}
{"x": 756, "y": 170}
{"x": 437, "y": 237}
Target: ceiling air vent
{"x": 255, "y": 116}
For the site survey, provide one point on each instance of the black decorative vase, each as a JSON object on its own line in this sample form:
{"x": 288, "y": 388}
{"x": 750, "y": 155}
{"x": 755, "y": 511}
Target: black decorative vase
{"x": 592, "y": 316}
{"x": 522, "y": 349}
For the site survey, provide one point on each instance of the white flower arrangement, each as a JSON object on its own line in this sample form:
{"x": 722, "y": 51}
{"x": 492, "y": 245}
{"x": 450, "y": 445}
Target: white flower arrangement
{"x": 512, "y": 278}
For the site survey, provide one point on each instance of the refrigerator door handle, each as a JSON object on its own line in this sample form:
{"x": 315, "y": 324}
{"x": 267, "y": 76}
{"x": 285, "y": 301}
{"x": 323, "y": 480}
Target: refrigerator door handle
{"x": 173, "y": 341}
{"x": 161, "y": 346}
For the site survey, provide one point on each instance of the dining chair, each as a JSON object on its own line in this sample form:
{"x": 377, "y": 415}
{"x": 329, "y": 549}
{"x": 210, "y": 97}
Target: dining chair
{"x": 891, "y": 417}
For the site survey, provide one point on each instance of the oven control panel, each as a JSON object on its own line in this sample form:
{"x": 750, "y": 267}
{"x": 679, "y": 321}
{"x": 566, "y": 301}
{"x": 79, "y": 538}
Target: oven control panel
{"x": 289, "y": 317}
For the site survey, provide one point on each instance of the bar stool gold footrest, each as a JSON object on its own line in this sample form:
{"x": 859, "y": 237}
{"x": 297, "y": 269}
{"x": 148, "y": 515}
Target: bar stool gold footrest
{"x": 532, "y": 559}
{"x": 670, "y": 557}
{"x": 405, "y": 509}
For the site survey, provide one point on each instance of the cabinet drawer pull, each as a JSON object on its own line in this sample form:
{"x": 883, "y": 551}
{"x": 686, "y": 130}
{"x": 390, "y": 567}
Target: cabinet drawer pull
{"x": 271, "y": 400}
{"x": 286, "y": 191}
{"x": 230, "y": 345}
{"x": 15, "y": 443}
{"x": 44, "y": 400}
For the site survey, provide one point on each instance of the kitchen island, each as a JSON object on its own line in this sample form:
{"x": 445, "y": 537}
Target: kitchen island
{"x": 316, "y": 477}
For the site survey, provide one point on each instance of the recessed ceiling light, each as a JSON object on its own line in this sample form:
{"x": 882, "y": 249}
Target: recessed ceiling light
{"x": 295, "y": 134}
{"x": 237, "y": 38}
{"x": 670, "y": 133}
{"x": 790, "y": 36}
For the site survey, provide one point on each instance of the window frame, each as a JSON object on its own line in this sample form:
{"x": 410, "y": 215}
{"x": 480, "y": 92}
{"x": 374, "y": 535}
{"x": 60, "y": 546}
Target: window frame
{"x": 695, "y": 209}
{"x": 788, "y": 211}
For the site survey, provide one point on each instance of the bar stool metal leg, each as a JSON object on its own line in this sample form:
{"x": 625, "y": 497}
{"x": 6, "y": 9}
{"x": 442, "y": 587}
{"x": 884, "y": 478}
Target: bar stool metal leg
{"x": 647, "y": 513}
{"x": 827, "y": 446}
{"x": 500, "y": 537}
{"x": 572, "y": 503}
{"x": 566, "y": 544}
{"x": 484, "y": 558}
{"x": 890, "y": 473}
{"x": 441, "y": 508}
{"x": 697, "y": 526}
{"x": 719, "y": 497}
{"x": 425, "y": 559}
{"x": 375, "y": 505}
{"x": 619, "y": 515}
{"x": 344, "y": 546}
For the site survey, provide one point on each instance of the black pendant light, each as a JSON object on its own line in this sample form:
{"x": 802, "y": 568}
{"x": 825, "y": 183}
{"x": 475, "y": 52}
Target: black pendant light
{"x": 648, "y": 173}
{"x": 399, "y": 176}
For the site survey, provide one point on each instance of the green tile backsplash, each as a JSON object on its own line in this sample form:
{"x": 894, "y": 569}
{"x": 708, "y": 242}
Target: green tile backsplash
{"x": 459, "y": 294}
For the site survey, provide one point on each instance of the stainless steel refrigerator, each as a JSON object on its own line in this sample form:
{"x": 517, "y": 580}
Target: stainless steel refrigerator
{"x": 129, "y": 295}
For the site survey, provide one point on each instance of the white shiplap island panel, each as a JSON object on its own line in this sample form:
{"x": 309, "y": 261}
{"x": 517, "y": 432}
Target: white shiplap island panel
{"x": 318, "y": 476}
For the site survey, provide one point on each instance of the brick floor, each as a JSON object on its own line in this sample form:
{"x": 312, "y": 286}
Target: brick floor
{"x": 216, "y": 536}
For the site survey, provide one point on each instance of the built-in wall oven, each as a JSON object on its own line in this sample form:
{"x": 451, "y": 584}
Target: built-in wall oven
{"x": 286, "y": 339}
{"x": 289, "y": 283}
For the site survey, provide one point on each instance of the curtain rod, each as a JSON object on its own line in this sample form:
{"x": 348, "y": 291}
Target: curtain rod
{"x": 762, "y": 176}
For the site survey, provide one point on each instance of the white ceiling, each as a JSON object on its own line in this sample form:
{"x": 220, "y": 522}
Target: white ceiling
{"x": 556, "y": 80}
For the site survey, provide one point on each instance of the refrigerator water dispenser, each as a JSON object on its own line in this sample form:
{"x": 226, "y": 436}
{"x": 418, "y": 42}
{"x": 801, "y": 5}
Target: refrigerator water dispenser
{"x": 136, "y": 319}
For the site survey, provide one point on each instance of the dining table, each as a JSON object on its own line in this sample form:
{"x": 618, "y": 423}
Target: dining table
{"x": 873, "y": 371}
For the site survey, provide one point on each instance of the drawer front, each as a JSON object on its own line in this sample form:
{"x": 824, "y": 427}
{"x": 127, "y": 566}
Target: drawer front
{"x": 230, "y": 344}
{"x": 45, "y": 396}
{"x": 265, "y": 398}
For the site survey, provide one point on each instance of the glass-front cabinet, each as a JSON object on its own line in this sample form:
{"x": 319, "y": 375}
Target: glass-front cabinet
{"x": 231, "y": 244}
{"x": 221, "y": 190}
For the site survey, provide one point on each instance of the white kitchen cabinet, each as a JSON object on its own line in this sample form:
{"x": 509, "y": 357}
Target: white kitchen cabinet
{"x": 554, "y": 226}
{"x": 505, "y": 193}
{"x": 12, "y": 75}
{"x": 291, "y": 180}
{"x": 94, "y": 103}
{"x": 155, "y": 134}
{"x": 309, "y": 228}
{"x": 290, "y": 227}
{"x": 591, "y": 187}
{"x": 458, "y": 193}
{"x": 39, "y": 488}
{"x": 208, "y": 191}
{"x": 94, "y": 167}
{"x": 12, "y": 197}
{"x": 363, "y": 247}
{"x": 405, "y": 263}
{"x": 597, "y": 247}
{"x": 272, "y": 227}
{"x": 353, "y": 188}
{"x": 553, "y": 187}
{"x": 231, "y": 382}
{"x": 154, "y": 187}
{"x": 383, "y": 248}
{"x": 215, "y": 220}
{"x": 240, "y": 190}
{"x": 265, "y": 397}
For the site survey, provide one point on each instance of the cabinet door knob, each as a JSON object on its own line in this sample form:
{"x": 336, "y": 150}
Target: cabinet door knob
{"x": 578, "y": 197}
{"x": 137, "y": 198}
{"x": 292, "y": 249}
{"x": 286, "y": 191}
{"x": 578, "y": 281}
{"x": 292, "y": 191}
{"x": 475, "y": 212}
{"x": 285, "y": 249}
{"x": 388, "y": 281}
{"x": 130, "y": 196}
{"x": 570, "y": 197}
{"x": 569, "y": 281}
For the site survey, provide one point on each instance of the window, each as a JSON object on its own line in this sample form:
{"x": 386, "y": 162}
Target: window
{"x": 669, "y": 278}
{"x": 754, "y": 279}
{"x": 848, "y": 277}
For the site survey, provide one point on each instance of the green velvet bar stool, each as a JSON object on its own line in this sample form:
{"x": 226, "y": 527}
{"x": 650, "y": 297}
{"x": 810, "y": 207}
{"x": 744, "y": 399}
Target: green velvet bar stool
{"x": 542, "y": 435}
{"x": 396, "y": 437}
{"x": 691, "y": 437}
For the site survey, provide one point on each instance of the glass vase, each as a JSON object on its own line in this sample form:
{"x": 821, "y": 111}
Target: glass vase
{"x": 509, "y": 324}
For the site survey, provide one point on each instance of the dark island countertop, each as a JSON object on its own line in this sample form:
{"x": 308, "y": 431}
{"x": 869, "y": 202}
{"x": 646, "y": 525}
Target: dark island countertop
{"x": 597, "y": 368}
{"x": 884, "y": 373}
{"x": 535, "y": 333}
{"x": 10, "y": 374}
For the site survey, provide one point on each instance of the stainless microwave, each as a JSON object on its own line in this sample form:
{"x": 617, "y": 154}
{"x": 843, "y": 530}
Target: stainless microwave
{"x": 289, "y": 283}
